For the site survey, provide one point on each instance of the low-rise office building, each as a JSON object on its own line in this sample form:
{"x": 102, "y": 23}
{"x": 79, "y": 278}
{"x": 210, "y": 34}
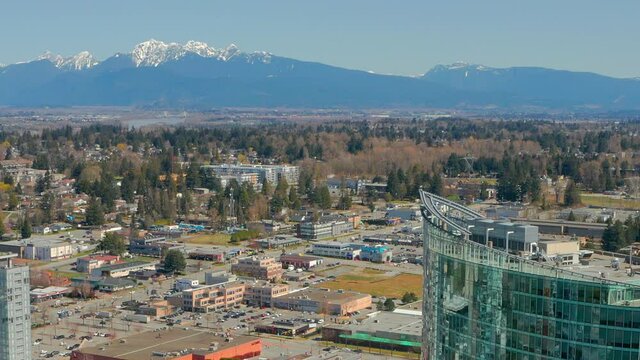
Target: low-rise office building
{"x": 115, "y": 284}
{"x": 88, "y": 263}
{"x": 404, "y": 214}
{"x": 184, "y": 284}
{"x": 218, "y": 277}
{"x": 211, "y": 297}
{"x": 152, "y": 246}
{"x": 324, "y": 301}
{"x": 122, "y": 270}
{"x": 335, "y": 249}
{"x": 278, "y": 242}
{"x": 327, "y": 226}
{"x": 300, "y": 261}
{"x": 39, "y": 248}
{"x": 262, "y": 293}
{"x": 262, "y": 268}
{"x": 375, "y": 253}
{"x": 156, "y": 309}
{"x": 286, "y": 327}
{"x": 214, "y": 255}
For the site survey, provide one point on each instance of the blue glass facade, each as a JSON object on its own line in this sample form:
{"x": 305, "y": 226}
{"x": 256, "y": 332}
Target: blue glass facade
{"x": 482, "y": 303}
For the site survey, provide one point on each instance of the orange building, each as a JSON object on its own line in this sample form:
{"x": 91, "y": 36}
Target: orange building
{"x": 171, "y": 345}
{"x": 324, "y": 301}
{"x": 262, "y": 268}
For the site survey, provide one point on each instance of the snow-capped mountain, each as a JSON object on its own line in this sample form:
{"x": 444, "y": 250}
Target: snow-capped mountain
{"x": 155, "y": 53}
{"x": 81, "y": 61}
{"x": 195, "y": 74}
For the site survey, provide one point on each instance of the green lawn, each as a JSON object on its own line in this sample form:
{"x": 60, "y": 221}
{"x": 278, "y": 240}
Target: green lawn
{"x": 140, "y": 258}
{"x": 609, "y": 202}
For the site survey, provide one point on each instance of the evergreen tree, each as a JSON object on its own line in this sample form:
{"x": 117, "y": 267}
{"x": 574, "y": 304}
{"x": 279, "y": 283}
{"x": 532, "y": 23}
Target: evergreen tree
{"x": 437, "y": 187}
{"x": 571, "y": 194}
{"x": 43, "y": 183}
{"x": 127, "y": 187}
{"x": 13, "y": 201}
{"x": 266, "y": 188}
{"x": 294, "y": 200}
{"x": 47, "y": 205}
{"x": 94, "y": 214}
{"x": 174, "y": 261}
{"x": 344, "y": 203}
{"x": 409, "y": 297}
{"x": 193, "y": 179}
{"x": 25, "y": 227}
{"x": 322, "y": 197}
{"x": 113, "y": 244}
{"x": 613, "y": 236}
{"x": 389, "y": 305}
{"x": 393, "y": 184}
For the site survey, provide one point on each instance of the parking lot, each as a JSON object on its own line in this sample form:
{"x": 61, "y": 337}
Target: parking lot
{"x": 73, "y": 321}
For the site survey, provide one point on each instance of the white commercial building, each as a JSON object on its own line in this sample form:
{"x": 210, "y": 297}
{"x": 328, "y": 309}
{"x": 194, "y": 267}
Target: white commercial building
{"x": 335, "y": 249}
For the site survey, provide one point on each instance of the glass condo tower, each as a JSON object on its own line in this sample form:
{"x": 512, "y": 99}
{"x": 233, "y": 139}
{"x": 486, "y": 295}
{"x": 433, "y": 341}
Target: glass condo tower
{"x": 480, "y": 302}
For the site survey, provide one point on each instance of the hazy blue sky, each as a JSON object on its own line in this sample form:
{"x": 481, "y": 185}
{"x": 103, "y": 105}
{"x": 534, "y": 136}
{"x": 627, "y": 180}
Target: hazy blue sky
{"x": 400, "y": 37}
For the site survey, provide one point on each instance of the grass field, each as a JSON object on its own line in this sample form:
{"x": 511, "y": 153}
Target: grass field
{"x": 377, "y": 284}
{"x": 209, "y": 239}
{"x": 609, "y": 201}
{"x": 67, "y": 274}
{"x": 140, "y": 258}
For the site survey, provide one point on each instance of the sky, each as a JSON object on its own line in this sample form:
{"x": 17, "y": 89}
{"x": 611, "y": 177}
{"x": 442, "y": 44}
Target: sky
{"x": 404, "y": 37}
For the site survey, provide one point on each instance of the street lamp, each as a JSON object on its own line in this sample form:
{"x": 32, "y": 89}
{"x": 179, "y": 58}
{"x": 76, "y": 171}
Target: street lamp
{"x": 469, "y": 229}
{"x": 506, "y": 244}
{"x": 486, "y": 236}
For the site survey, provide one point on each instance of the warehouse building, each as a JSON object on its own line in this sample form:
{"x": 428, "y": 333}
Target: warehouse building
{"x": 386, "y": 330}
{"x": 173, "y": 344}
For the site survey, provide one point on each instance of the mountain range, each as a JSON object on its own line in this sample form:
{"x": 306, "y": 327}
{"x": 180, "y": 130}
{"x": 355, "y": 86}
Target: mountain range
{"x": 196, "y": 75}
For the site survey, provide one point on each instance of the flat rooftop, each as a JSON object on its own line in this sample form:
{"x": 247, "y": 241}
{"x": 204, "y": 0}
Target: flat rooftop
{"x": 6, "y": 255}
{"x": 387, "y": 322}
{"x": 37, "y": 241}
{"x": 145, "y": 345}
{"x": 601, "y": 264}
{"x": 300, "y": 257}
{"x": 121, "y": 266}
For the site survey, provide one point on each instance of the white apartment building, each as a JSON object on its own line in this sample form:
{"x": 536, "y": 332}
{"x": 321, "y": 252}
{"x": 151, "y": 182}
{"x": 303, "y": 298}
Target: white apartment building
{"x": 270, "y": 173}
{"x": 15, "y": 314}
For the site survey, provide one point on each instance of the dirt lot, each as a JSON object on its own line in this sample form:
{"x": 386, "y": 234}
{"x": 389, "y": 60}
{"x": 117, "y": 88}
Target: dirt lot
{"x": 208, "y": 239}
{"x": 373, "y": 281}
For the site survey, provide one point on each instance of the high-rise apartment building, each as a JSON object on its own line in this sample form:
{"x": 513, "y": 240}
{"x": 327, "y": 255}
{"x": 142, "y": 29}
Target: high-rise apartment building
{"x": 15, "y": 314}
{"x": 482, "y": 302}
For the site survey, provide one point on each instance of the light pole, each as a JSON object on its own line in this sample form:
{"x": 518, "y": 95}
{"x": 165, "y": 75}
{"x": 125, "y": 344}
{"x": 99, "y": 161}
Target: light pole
{"x": 469, "y": 229}
{"x": 486, "y": 236}
{"x": 506, "y": 243}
